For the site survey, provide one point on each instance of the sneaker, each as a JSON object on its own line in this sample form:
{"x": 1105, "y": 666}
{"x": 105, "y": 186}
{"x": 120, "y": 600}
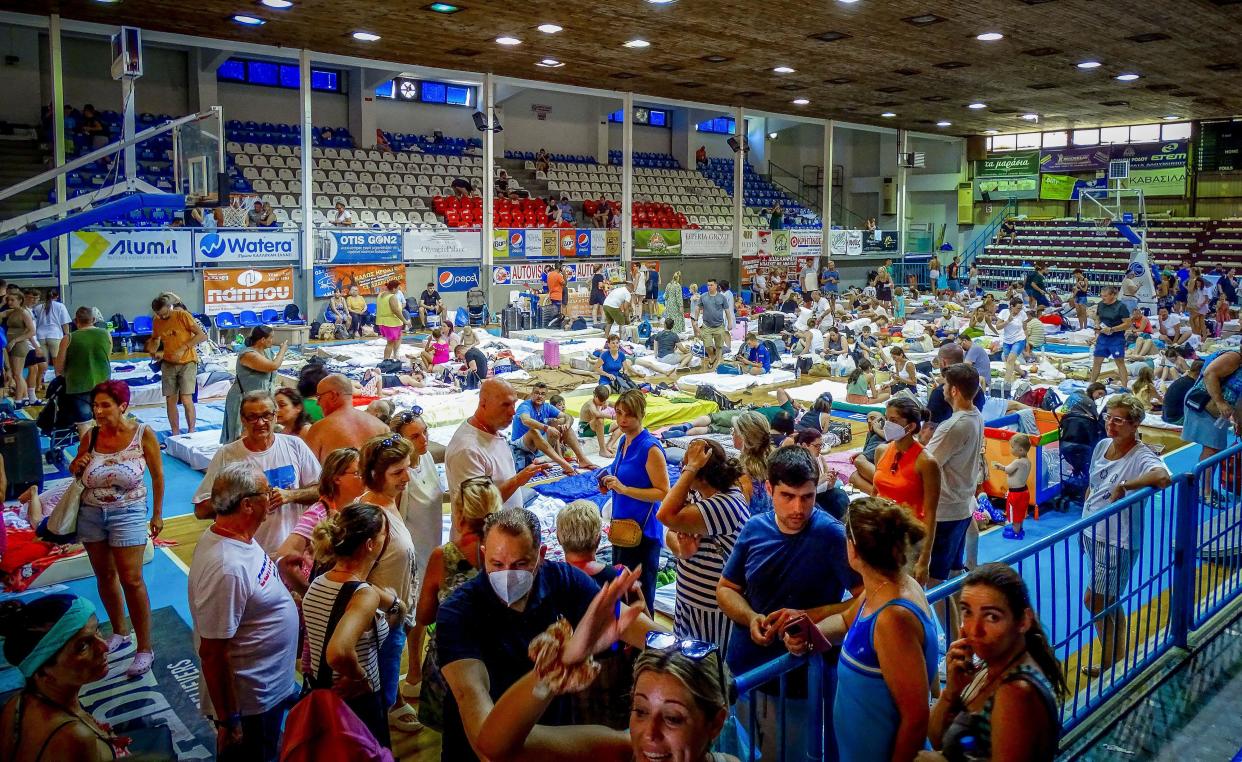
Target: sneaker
{"x": 117, "y": 642}
{"x": 1010, "y": 534}
{"x": 141, "y": 664}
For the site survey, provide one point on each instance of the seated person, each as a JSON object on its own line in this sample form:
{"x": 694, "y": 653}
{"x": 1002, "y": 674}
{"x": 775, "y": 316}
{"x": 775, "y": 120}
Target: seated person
{"x": 612, "y": 362}
{"x": 381, "y": 409}
{"x": 430, "y": 302}
{"x": 461, "y": 187}
{"x": 1141, "y": 335}
{"x": 828, "y": 495}
{"x": 753, "y": 359}
{"x": 809, "y": 341}
{"x": 905, "y": 377}
{"x": 1146, "y": 389}
{"x": 1008, "y": 231}
{"x": 593, "y": 415}
{"x": 474, "y": 365}
{"x": 436, "y": 351}
{"x": 669, "y": 349}
{"x": 542, "y": 161}
{"x": 860, "y": 384}
{"x": 784, "y": 428}
{"x": 262, "y": 216}
{"x": 39, "y": 509}
{"x": 1173, "y": 362}
{"x": 541, "y": 427}
{"x": 834, "y": 345}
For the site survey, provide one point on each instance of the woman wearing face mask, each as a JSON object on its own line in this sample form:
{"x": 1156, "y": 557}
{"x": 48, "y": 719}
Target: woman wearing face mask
{"x": 340, "y": 483}
{"x": 385, "y": 466}
{"x": 1019, "y": 679}
{"x": 344, "y": 655}
{"x": 902, "y": 472}
{"x": 449, "y": 567}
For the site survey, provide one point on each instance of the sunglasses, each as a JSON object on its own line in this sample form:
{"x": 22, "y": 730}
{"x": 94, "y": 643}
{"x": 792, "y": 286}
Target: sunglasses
{"x": 695, "y": 650}
{"x": 409, "y": 415}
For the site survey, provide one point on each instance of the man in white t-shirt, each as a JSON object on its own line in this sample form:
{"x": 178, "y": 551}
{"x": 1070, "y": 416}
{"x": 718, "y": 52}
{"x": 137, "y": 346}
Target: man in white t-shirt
{"x": 1173, "y": 328}
{"x": 245, "y": 621}
{"x": 479, "y": 449}
{"x": 759, "y": 287}
{"x": 290, "y": 468}
{"x": 616, "y": 308}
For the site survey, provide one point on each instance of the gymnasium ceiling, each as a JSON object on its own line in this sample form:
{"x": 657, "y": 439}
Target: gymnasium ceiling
{"x": 854, "y": 60}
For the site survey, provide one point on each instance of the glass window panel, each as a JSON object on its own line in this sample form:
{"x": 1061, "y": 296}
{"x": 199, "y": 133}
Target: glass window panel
{"x": 458, "y": 96}
{"x": 1144, "y": 133}
{"x": 1004, "y": 142}
{"x": 1115, "y": 135}
{"x": 262, "y": 73}
{"x": 659, "y": 118}
{"x": 385, "y": 90}
{"x": 1086, "y": 137}
{"x": 1028, "y": 140}
{"x": 325, "y": 80}
{"x": 232, "y": 70}
{"x": 432, "y": 92}
{"x": 289, "y": 76}
{"x": 1175, "y": 131}
{"x": 1055, "y": 139}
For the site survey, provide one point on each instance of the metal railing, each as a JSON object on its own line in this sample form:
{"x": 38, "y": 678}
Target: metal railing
{"x": 1117, "y": 591}
{"x": 985, "y": 236}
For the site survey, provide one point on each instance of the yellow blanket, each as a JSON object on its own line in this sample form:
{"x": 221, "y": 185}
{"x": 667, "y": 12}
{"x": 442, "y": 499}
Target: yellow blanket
{"x": 661, "y": 411}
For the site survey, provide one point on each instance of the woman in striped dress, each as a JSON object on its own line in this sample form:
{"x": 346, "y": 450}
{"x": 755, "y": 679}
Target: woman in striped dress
{"x": 702, "y": 528}
{"x": 673, "y": 305}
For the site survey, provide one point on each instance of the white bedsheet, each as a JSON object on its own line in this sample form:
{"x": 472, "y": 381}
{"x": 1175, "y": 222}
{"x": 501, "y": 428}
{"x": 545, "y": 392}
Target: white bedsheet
{"x": 731, "y": 383}
{"x": 811, "y": 392}
{"x": 195, "y": 450}
{"x": 439, "y": 409}
{"x": 1154, "y": 421}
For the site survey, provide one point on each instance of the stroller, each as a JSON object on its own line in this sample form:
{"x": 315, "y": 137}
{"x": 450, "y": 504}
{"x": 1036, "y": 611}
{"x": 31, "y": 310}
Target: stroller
{"x": 58, "y": 421}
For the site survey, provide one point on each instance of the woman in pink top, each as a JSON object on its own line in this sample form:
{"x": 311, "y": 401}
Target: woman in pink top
{"x": 340, "y": 483}
{"x": 436, "y": 351}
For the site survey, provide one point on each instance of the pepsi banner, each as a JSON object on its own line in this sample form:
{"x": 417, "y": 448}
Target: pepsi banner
{"x": 363, "y": 246}
{"x": 29, "y": 260}
{"x": 451, "y": 279}
{"x": 228, "y": 246}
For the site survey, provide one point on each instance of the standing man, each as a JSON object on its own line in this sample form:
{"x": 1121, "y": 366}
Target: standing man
{"x": 977, "y": 356}
{"x": 830, "y": 279}
{"x": 342, "y": 425}
{"x": 556, "y": 296}
{"x": 174, "y": 336}
{"x": 953, "y": 275}
{"x": 1035, "y": 288}
{"x": 245, "y": 622}
{"x": 1112, "y": 320}
{"x": 616, "y": 308}
{"x": 84, "y": 361}
{"x": 479, "y": 449}
{"x": 652, "y": 297}
{"x": 714, "y": 306}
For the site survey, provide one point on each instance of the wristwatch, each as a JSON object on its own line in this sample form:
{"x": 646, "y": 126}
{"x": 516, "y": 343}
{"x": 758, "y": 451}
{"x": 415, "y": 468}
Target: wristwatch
{"x": 232, "y": 721}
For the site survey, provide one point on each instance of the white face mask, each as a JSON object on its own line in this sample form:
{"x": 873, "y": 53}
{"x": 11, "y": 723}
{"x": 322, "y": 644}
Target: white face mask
{"x": 893, "y": 431}
{"x": 511, "y": 585}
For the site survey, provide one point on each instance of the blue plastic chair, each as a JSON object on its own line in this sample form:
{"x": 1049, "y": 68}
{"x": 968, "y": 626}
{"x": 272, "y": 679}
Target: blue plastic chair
{"x": 271, "y": 317}
{"x": 371, "y": 309}
{"x": 247, "y": 319}
{"x": 142, "y": 326}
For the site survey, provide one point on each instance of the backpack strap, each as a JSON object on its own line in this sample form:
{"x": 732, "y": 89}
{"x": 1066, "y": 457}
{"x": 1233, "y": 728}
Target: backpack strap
{"x": 323, "y": 678}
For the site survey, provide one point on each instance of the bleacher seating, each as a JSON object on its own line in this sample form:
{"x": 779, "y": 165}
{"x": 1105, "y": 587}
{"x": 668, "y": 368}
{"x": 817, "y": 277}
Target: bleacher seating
{"x": 758, "y": 194}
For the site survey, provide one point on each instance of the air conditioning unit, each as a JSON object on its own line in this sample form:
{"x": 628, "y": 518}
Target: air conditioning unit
{"x": 912, "y": 160}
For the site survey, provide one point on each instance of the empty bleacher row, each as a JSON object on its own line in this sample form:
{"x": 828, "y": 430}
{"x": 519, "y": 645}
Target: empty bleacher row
{"x": 684, "y": 191}
{"x": 758, "y": 193}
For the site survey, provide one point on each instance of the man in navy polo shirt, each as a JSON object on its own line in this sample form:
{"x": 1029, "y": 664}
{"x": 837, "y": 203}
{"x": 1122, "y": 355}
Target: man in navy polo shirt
{"x": 939, "y": 408}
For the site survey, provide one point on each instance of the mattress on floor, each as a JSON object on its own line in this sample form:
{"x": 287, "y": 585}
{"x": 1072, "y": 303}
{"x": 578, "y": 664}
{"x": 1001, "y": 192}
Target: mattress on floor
{"x": 544, "y": 334}
{"x": 662, "y": 411}
{"x": 77, "y": 566}
{"x": 439, "y": 409}
{"x": 726, "y": 383}
{"x": 665, "y": 368}
{"x": 195, "y": 450}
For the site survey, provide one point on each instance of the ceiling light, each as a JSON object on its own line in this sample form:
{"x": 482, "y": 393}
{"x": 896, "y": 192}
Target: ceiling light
{"x": 989, "y": 132}
{"x": 772, "y": 136}
{"x": 1172, "y": 118}
{"x": 508, "y": 41}
{"x": 660, "y": 2}
{"x": 977, "y": 106}
{"x": 847, "y": 2}
{"x": 783, "y": 70}
{"x": 278, "y": 4}
{"x": 1089, "y": 65}
{"x": 1031, "y": 117}
{"x": 550, "y": 63}
{"x": 944, "y": 124}
{"x": 638, "y": 43}
{"x": 800, "y": 101}
{"x": 990, "y": 36}
{"x": 888, "y": 115}
{"x": 366, "y": 36}
{"x": 549, "y": 28}
{"x": 108, "y": 2}
{"x": 249, "y": 20}
{"x": 1126, "y": 77}
{"x": 443, "y": 8}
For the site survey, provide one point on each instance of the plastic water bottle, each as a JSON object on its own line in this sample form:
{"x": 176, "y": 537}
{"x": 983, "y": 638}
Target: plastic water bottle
{"x": 1224, "y": 422}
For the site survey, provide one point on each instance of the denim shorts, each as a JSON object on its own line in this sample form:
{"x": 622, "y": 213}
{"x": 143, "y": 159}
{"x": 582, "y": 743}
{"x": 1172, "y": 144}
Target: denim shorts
{"x": 122, "y": 526}
{"x": 1013, "y": 348}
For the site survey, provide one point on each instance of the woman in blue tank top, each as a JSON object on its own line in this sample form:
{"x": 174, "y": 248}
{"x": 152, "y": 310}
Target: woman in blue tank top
{"x": 883, "y": 681}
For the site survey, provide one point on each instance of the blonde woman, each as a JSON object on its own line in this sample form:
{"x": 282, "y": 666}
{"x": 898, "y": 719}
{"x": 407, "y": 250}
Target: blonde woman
{"x": 752, "y": 436}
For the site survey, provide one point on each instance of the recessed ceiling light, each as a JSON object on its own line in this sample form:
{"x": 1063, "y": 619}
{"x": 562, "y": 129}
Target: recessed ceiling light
{"x": 660, "y": 2}
{"x": 1171, "y": 118}
{"x": 249, "y": 20}
{"x": 550, "y": 63}
{"x": 977, "y": 106}
{"x": 1126, "y": 77}
{"x": 989, "y": 132}
{"x": 1031, "y": 117}
{"x": 443, "y": 8}
{"x": 508, "y": 41}
{"x": 638, "y": 43}
{"x": 366, "y": 36}
{"x": 549, "y": 28}
{"x": 783, "y": 70}
{"x": 772, "y": 136}
{"x": 847, "y": 2}
{"x": 278, "y": 4}
{"x": 944, "y": 124}
{"x": 888, "y": 115}
{"x": 990, "y": 36}
{"x": 108, "y": 2}
{"x": 1089, "y": 65}
{"x": 800, "y": 101}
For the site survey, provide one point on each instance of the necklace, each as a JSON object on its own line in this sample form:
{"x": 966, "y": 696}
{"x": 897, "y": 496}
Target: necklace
{"x": 992, "y": 678}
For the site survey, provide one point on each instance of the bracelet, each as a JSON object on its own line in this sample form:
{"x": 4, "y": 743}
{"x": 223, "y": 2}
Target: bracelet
{"x": 232, "y": 721}
{"x": 553, "y": 675}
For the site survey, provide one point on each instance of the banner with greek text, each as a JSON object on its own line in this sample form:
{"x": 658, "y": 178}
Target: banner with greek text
{"x": 845, "y": 243}
{"x": 228, "y": 289}
{"x": 1008, "y": 164}
{"x": 369, "y": 279}
{"x": 139, "y": 249}
{"x": 806, "y": 242}
{"x": 363, "y": 246}
{"x": 1159, "y": 182}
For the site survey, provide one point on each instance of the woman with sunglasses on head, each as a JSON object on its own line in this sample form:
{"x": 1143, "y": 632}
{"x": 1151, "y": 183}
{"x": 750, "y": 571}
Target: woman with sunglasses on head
{"x": 385, "y": 467}
{"x": 340, "y": 483}
{"x": 887, "y": 637}
{"x": 255, "y": 369}
{"x": 680, "y": 699}
{"x": 449, "y": 567}
{"x": 422, "y": 506}
{"x": 1001, "y": 699}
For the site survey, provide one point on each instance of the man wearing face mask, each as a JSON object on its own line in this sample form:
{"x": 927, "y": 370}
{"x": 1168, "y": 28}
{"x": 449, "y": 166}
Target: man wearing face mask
{"x": 484, "y": 628}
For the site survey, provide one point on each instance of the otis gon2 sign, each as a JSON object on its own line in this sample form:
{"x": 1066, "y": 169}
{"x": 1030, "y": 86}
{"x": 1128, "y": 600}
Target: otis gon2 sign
{"x": 235, "y": 289}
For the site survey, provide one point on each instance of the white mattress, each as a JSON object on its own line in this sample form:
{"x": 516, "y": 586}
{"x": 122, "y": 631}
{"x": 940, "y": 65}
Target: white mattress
{"x": 77, "y": 566}
{"x": 195, "y": 450}
{"x": 811, "y": 392}
{"x": 540, "y": 334}
{"x": 1153, "y": 420}
{"x": 439, "y": 409}
{"x": 731, "y": 383}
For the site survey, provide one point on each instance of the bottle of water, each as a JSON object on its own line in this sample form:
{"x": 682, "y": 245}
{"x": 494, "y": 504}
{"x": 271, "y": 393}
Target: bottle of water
{"x": 971, "y": 751}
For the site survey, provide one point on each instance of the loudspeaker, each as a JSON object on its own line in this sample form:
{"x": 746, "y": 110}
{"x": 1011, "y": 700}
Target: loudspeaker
{"x": 987, "y": 197}
{"x": 480, "y": 122}
{"x": 976, "y": 148}
{"x": 737, "y": 145}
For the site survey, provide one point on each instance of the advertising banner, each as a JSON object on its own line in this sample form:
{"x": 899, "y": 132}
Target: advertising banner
{"x": 1056, "y": 187}
{"x": 706, "y": 242}
{"x": 845, "y": 243}
{"x": 227, "y": 289}
{"x": 31, "y": 260}
{"x": 582, "y": 272}
{"x": 346, "y": 247}
{"x": 566, "y": 242}
{"x": 1001, "y": 188}
{"x": 452, "y": 279}
{"x": 809, "y": 242}
{"x": 515, "y": 274}
{"x": 582, "y": 246}
{"x": 139, "y": 249}
{"x": 1159, "y": 182}
{"x": 432, "y": 245}
{"x": 245, "y": 246}
{"x": 1008, "y": 164}
{"x": 657, "y": 243}
{"x": 779, "y": 267}
{"x": 369, "y": 279}
{"x": 1167, "y": 155}
{"x": 612, "y": 243}
{"x": 1092, "y": 159}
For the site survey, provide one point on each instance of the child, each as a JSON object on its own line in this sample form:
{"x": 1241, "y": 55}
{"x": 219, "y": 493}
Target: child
{"x": 1019, "y": 498}
{"x": 1146, "y": 389}
{"x": 592, "y": 417}
{"x": 1222, "y": 313}
{"x": 899, "y": 304}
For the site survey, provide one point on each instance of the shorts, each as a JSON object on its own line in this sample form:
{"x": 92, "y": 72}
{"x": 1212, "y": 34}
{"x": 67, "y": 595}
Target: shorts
{"x": 948, "y": 552}
{"x": 672, "y": 358}
{"x": 1111, "y": 566}
{"x": 389, "y": 380}
{"x": 1038, "y": 297}
{"x": 954, "y": 285}
{"x": 1112, "y": 345}
{"x": 122, "y": 526}
{"x": 50, "y": 347}
{"x": 615, "y": 315}
{"x": 20, "y": 349}
{"x": 389, "y": 332}
{"x": 1014, "y": 347}
{"x": 1080, "y": 300}
{"x": 79, "y": 407}
{"x": 33, "y": 358}
{"x": 1199, "y": 426}
{"x": 722, "y": 422}
{"x": 597, "y": 297}
{"x": 653, "y": 293}
{"x": 715, "y": 338}
{"x": 178, "y": 379}
{"x": 1017, "y": 502}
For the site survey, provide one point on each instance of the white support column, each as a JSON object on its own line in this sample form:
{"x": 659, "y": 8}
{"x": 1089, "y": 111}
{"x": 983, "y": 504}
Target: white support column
{"x": 903, "y": 146}
{"x": 58, "y": 148}
{"x": 739, "y": 196}
{"x": 829, "y": 128}
{"x": 627, "y": 182}
{"x": 128, "y": 96}
{"x": 308, "y": 181}
{"x": 488, "y": 190}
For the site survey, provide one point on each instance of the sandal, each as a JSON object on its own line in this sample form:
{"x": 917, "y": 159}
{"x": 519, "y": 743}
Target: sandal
{"x": 141, "y": 664}
{"x": 1090, "y": 670}
{"x": 405, "y": 719}
{"x": 411, "y": 691}
{"x": 117, "y": 642}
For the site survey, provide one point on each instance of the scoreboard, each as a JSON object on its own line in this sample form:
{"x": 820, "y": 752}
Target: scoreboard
{"x": 1219, "y": 147}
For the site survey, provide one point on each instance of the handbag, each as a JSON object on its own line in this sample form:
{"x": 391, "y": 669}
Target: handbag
{"x": 64, "y": 518}
{"x": 627, "y": 533}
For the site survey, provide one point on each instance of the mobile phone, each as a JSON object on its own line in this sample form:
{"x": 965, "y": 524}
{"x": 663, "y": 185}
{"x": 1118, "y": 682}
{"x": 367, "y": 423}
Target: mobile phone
{"x": 803, "y": 627}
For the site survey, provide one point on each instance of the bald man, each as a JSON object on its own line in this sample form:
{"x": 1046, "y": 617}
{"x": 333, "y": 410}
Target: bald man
{"x": 479, "y": 449}
{"x": 343, "y": 425}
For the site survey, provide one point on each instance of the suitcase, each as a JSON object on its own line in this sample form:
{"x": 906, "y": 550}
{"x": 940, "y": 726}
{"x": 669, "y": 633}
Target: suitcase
{"x": 23, "y": 461}
{"x": 510, "y": 320}
{"x": 842, "y": 431}
{"x": 771, "y": 322}
{"x": 551, "y": 354}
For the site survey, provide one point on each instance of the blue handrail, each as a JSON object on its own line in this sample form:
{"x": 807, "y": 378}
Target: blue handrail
{"x": 985, "y": 236}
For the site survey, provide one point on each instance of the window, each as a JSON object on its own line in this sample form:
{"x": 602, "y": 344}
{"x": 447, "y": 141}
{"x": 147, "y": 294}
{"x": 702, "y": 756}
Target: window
{"x": 1086, "y": 137}
{"x": 1028, "y": 140}
{"x": 1144, "y": 133}
{"x": 1004, "y": 142}
{"x": 1175, "y": 131}
{"x": 721, "y": 125}
{"x": 232, "y": 70}
{"x": 427, "y": 91}
{"x": 262, "y": 73}
{"x": 325, "y": 80}
{"x": 269, "y": 74}
{"x": 1115, "y": 135}
{"x": 649, "y": 117}
{"x": 290, "y": 76}
{"x": 1056, "y": 139}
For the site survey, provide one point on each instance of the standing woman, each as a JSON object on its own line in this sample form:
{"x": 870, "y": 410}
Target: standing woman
{"x": 888, "y": 640}
{"x": 255, "y": 370}
{"x": 389, "y": 318}
{"x": 752, "y": 436}
{"x": 340, "y": 483}
{"x": 112, "y": 518}
{"x": 350, "y": 542}
{"x": 19, "y": 327}
{"x": 422, "y": 506}
{"x": 291, "y": 412}
{"x": 357, "y": 307}
{"x": 1197, "y": 303}
{"x": 674, "y": 308}
{"x": 596, "y": 302}
{"x": 52, "y": 325}
{"x": 701, "y": 533}
{"x": 1018, "y": 681}
{"x": 385, "y": 466}
{"x": 638, "y": 480}
{"x": 1082, "y": 290}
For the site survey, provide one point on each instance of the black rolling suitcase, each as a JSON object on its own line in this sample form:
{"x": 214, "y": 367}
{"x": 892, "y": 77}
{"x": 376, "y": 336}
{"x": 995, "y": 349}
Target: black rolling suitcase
{"x": 510, "y": 320}
{"x": 771, "y": 322}
{"x": 23, "y": 461}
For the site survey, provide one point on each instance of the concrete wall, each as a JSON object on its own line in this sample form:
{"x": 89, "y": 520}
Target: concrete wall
{"x": 163, "y": 88}
{"x": 570, "y": 126}
{"x": 20, "y": 79}
{"x": 277, "y": 104}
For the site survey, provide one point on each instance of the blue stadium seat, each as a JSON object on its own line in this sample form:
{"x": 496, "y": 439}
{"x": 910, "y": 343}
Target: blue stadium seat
{"x": 142, "y": 326}
{"x": 271, "y": 317}
{"x": 247, "y": 319}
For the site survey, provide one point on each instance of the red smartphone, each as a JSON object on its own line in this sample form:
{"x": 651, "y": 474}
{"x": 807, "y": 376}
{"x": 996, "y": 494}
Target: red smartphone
{"x": 805, "y": 628}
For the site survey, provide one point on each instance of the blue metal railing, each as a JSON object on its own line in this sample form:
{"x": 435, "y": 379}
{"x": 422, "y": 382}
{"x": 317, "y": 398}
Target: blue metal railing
{"x": 1116, "y": 590}
{"x": 985, "y": 236}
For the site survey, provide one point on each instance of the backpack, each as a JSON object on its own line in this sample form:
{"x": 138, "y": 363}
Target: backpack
{"x": 1034, "y": 398}
{"x": 1051, "y": 401}
{"x": 774, "y": 350}
{"x": 579, "y": 324}
{"x": 644, "y": 330}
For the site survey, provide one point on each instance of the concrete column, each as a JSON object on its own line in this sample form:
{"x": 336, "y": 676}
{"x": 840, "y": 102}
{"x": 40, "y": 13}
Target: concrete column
{"x": 308, "y": 181}
{"x": 498, "y": 138}
{"x": 204, "y": 88}
{"x": 627, "y": 182}
{"x": 757, "y": 134}
{"x": 682, "y": 129}
{"x": 903, "y": 146}
{"x": 58, "y": 148}
{"x": 488, "y": 97}
{"x": 739, "y": 162}
{"x": 361, "y": 109}
{"x": 829, "y": 129}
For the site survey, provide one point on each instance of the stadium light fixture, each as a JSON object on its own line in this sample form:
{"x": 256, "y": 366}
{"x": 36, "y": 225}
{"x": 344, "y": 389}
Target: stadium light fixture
{"x": 550, "y": 63}
{"x": 989, "y": 36}
{"x": 279, "y": 5}
{"x": 977, "y": 106}
{"x": 443, "y": 8}
{"x": 549, "y": 28}
{"x": 1089, "y": 65}
{"x": 800, "y": 101}
{"x": 1126, "y": 77}
{"x": 637, "y": 43}
{"x": 784, "y": 70}
{"x": 944, "y": 124}
{"x": 888, "y": 115}
{"x": 365, "y": 36}
{"x": 249, "y": 20}
{"x": 508, "y": 41}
